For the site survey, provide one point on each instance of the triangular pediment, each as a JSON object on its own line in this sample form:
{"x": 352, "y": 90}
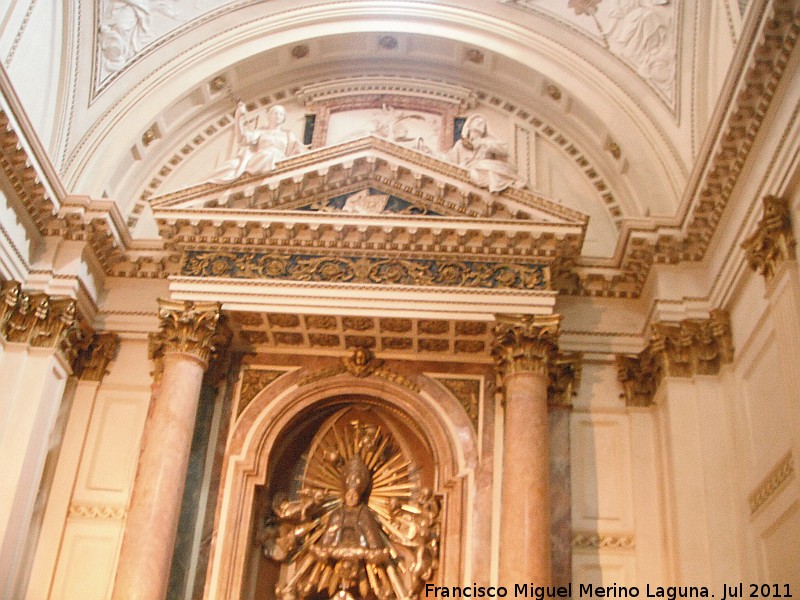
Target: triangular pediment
{"x": 371, "y": 176}
{"x": 369, "y": 213}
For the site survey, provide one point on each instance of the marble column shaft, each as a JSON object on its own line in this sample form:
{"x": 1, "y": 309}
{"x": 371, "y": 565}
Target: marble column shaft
{"x": 523, "y": 351}
{"x": 152, "y": 520}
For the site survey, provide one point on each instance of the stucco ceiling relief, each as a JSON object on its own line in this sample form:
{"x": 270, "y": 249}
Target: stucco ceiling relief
{"x": 643, "y": 33}
{"x": 126, "y": 27}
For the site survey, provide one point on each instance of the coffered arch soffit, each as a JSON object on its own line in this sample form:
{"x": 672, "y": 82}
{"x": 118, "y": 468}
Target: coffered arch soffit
{"x": 515, "y": 59}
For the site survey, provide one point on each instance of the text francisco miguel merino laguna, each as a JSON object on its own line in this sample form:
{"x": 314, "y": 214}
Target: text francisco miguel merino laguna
{"x": 585, "y": 590}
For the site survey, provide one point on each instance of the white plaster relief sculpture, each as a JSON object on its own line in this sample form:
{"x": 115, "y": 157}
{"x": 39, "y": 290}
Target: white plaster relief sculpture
{"x": 126, "y": 27}
{"x": 364, "y": 203}
{"x": 484, "y": 156}
{"x": 641, "y": 32}
{"x": 259, "y": 148}
{"x": 411, "y": 129}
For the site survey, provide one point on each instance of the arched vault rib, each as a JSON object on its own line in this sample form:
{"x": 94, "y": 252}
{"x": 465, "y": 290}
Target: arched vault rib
{"x": 152, "y": 83}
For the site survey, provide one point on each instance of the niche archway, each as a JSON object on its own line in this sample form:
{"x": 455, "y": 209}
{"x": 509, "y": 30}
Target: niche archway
{"x": 271, "y": 433}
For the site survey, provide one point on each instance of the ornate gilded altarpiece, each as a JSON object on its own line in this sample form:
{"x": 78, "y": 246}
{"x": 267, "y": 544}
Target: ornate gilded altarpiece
{"x": 357, "y": 460}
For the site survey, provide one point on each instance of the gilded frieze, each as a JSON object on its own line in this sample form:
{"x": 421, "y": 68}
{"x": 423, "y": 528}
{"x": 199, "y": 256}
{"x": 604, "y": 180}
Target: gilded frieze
{"x": 360, "y": 269}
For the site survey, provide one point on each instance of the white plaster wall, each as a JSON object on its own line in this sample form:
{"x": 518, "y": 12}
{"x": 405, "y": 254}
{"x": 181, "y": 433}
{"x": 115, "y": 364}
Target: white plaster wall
{"x": 717, "y": 30}
{"x": 767, "y": 427}
{"x": 32, "y": 48}
{"x": 602, "y": 481}
{"x": 89, "y": 543}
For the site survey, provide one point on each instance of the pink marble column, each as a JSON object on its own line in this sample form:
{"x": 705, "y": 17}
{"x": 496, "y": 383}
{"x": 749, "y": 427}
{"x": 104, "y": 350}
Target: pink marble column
{"x": 184, "y": 344}
{"x": 524, "y": 347}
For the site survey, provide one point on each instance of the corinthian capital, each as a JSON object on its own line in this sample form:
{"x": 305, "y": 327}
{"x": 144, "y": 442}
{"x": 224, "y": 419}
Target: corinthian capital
{"x": 92, "y": 363}
{"x": 525, "y": 343}
{"x": 773, "y": 242}
{"x": 187, "y": 328}
{"x": 41, "y": 320}
{"x": 685, "y": 349}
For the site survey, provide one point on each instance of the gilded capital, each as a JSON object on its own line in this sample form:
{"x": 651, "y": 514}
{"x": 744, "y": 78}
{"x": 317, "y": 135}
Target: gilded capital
{"x": 640, "y": 375}
{"x": 564, "y": 377}
{"x": 92, "y": 363}
{"x": 773, "y": 242}
{"x": 41, "y": 320}
{"x": 685, "y": 349}
{"x": 187, "y": 328}
{"x": 525, "y": 343}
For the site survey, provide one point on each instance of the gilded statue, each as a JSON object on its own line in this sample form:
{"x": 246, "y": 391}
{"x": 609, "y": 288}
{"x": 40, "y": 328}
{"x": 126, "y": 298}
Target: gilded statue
{"x": 361, "y": 526}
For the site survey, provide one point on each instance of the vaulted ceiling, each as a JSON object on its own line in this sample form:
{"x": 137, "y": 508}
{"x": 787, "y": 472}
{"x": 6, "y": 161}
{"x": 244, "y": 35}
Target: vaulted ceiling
{"x": 626, "y": 111}
{"x": 620, "y": 88}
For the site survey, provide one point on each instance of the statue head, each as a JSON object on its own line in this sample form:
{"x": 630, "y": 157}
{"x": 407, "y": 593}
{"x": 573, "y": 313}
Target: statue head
{"x": 276, "y": 115}
{"x": 474, "y": 127}
{"x": 357, "y": 480}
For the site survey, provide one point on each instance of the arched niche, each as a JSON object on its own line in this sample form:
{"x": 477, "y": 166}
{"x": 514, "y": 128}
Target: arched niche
{"x": 277, "y": 427}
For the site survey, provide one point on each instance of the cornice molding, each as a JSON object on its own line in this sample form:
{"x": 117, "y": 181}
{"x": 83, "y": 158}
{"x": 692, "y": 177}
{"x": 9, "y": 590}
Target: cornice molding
{"x": 685, "y": 349}
{"x": 24, "y": 160}
{"x": 718, "y": 167}
{"x": 749, "y": 98}
{"x": 460, "y": 96}
{"x": 408, "y": 172}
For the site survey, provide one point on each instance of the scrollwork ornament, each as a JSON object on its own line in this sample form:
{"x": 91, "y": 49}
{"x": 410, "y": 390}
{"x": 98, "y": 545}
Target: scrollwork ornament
{"x": 378, "y": 270}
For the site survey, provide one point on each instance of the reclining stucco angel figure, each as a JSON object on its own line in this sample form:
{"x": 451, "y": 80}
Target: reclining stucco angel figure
{"x": 484, "y": 156}
{"x": 374, "y": 535}
{"x": 259, "y": 148}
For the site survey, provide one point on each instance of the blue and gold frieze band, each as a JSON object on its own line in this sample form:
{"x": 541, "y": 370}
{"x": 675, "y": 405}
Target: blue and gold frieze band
{"x": 359, "y": 269}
